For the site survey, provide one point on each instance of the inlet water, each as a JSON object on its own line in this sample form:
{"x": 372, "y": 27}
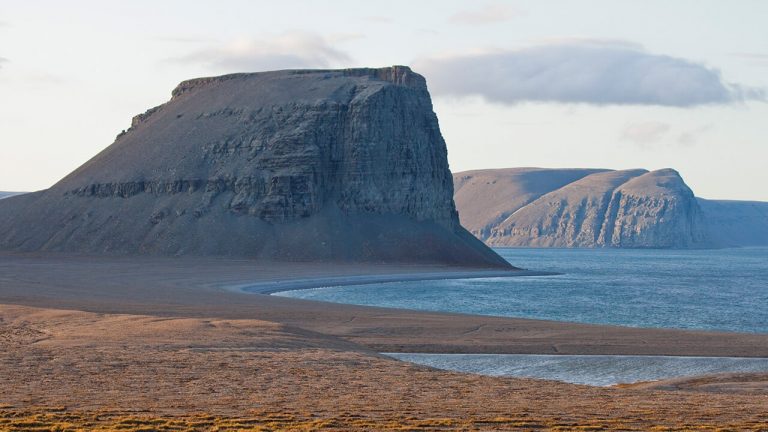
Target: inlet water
{"x": 722, "y": 289}
{"x": 598, "y": 370}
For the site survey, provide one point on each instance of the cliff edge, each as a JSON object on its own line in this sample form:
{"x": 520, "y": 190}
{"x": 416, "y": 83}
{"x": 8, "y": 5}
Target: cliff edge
{"x": 581, "y": 208}
{"x": 308, "y": 165}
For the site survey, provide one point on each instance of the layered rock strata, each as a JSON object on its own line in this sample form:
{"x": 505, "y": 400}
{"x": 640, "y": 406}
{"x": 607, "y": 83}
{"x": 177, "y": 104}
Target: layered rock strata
{"x": 298, "y": 165}
{"x": 582, "y": 208}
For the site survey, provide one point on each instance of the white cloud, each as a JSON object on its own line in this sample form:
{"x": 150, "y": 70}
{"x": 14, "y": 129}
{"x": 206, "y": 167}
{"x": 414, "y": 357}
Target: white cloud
{"x": 599, "y": 72}
{"x": 645, "y": 133}
{"x": 488, "y": 14}
{"x": 3, "y": 60}
{"x": 285, "y": 51}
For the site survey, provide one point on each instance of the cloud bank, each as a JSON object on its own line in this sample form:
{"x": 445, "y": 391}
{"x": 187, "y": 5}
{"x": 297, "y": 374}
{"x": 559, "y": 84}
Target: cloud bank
{"x": 285, "y": 51}
{"x": 599, "y": 72}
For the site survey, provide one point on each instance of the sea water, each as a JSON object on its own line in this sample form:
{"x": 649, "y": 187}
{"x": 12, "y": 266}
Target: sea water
{"x": 597, "y": 370}
{"x": 719, "y": 289}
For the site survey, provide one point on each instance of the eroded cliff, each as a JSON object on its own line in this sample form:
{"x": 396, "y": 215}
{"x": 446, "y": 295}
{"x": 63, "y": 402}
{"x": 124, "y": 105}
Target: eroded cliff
{"x": 587, "y": 208}
{"x": 301, "y": 165}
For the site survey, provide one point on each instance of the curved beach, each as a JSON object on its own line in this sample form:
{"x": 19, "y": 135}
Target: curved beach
{"x": 149, "y": 342}
{"x": 212, "y": 288}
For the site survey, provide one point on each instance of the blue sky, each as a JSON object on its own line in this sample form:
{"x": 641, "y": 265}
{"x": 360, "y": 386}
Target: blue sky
{"x": 614, "y": 84}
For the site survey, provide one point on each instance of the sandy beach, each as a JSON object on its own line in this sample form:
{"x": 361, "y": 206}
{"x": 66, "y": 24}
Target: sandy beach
{"x": 174, "y": 344}
{"x": 208, "y": 288}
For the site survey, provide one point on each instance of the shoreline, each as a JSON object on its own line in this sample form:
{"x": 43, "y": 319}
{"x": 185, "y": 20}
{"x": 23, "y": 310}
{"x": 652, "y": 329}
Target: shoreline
{"x": 278, "y": 286}
{"x": 197, "y": 288}
{"x": 593, "y": 370}
{"x": 67, "y": 368}
{"x": 581, "y": 355}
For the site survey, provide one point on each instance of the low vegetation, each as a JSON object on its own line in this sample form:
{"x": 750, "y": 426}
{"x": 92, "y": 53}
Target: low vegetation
{"x": 60, "y": 419}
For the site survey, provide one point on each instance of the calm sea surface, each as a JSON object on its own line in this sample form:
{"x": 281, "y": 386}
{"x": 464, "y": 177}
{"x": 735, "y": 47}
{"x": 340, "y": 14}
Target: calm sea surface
{"x": 724, "y": 289}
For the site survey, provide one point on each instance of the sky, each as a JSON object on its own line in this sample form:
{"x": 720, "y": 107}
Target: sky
{"x": 603, "y": 84}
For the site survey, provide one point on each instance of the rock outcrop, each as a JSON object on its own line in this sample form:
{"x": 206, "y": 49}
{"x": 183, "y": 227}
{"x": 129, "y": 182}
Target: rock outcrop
{"x": 291, "y": 165}
{"x": 582, "y": 208}
{"x": 488, "y": 197}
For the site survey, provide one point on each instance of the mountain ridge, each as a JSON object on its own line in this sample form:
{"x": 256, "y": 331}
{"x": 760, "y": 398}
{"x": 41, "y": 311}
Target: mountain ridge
{"x": 593, "y": 208}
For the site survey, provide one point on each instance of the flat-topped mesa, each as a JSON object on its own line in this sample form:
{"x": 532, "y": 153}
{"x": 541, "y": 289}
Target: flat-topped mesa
{"x": 312, "y": 136}
{"x": 399, "y": 75}
{"x": 300, "y": 164}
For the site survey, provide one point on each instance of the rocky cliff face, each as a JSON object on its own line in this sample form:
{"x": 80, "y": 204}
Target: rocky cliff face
{"x": 488, "y": 197}
{"x": 601, "y": 208}
{"x": 306, "y": 165}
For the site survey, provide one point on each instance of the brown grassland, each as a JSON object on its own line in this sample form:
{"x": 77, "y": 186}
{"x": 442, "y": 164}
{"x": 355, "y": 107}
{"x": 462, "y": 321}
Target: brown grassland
{"x": 69, "y": 371}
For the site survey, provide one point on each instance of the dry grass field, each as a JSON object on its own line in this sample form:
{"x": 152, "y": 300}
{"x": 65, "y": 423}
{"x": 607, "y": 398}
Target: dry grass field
{"x": 69, "y": 370}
